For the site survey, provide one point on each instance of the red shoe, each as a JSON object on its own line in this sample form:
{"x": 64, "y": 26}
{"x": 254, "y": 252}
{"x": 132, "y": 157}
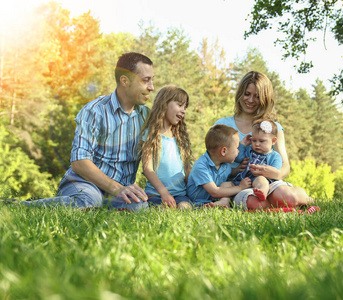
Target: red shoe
{"x": 312, "y": 209}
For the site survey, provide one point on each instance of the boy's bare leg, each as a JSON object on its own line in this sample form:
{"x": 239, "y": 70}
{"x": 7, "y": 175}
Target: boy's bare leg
{"x": 261, "y": 187}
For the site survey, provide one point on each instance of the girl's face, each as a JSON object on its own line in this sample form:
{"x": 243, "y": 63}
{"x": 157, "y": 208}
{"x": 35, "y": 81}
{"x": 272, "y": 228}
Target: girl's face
{"x": 250, "y": 101}
{"x": 262, "y": 142}
{"x": 175, "y": 112}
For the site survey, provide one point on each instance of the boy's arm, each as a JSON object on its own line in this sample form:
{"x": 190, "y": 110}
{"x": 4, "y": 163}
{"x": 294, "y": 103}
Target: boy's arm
{"x": 219, "y": 191}
{"x": 150, "y": 174}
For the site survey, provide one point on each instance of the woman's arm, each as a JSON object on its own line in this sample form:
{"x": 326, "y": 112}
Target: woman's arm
{"x": 280, "y": 147}
{"x": 150, "y": 174}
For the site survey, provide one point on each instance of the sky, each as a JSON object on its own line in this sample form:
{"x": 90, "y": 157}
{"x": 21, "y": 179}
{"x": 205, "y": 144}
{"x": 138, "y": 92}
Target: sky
{"x": 225, "y": 20}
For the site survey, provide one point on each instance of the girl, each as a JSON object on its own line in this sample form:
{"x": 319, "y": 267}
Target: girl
{"x": 166, "y": 149}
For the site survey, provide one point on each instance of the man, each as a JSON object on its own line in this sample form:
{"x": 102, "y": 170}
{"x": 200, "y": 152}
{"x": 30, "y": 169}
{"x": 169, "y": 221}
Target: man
{"x": 104, "y": 157}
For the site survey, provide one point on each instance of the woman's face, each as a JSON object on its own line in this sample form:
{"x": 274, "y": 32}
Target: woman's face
{"x": 250, "y": 101}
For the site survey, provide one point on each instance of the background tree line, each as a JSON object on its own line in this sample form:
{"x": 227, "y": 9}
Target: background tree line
{"x": 50, "y": 69}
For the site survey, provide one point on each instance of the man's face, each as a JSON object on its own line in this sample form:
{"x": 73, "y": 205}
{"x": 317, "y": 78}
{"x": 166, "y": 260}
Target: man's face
{"x": 141, "y": 84}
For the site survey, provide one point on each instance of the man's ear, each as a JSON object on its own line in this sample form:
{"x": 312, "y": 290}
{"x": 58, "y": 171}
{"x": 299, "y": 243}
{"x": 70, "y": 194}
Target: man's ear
{"x": 124, "y": 81}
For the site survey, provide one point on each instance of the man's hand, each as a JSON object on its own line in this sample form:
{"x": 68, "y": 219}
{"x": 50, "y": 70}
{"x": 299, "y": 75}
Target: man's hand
{"x": 133, "y": 192}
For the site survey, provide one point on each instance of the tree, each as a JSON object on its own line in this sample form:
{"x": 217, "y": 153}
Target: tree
{"x": 216, "y": 84}
{"x": 297, "y": 20}
{"x": 327, "y": 129}
{"x": 19, "y": 175}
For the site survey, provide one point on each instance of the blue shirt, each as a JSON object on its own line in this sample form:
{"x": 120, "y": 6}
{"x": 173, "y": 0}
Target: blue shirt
{"x": 170, "y": 170}
{"x": 108, "y": 136}
{"x": 272, "y": 158}
{"x": 230, "y": 121}
{"x": 205, "y": 171}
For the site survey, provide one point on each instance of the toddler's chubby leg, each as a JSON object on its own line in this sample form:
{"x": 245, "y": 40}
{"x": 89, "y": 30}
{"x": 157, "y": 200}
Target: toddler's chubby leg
{"x": 261, "y": 187}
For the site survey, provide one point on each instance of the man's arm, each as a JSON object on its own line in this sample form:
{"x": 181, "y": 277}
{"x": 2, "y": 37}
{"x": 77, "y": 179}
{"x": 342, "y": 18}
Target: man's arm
{"x": 89, "y": 171}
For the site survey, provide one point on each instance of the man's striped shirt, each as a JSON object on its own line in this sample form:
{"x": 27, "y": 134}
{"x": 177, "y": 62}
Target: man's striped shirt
{"x": 108, "y": 136}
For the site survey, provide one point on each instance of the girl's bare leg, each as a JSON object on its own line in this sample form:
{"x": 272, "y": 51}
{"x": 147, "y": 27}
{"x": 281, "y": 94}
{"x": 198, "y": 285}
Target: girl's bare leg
{"x": 184, "y": 205}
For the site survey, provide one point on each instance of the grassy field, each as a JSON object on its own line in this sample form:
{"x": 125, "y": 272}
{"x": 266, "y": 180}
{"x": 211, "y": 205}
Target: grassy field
{"x": 62, "y": 253}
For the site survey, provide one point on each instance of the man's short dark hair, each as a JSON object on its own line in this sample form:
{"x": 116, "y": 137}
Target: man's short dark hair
{"x": 127, "y": 64}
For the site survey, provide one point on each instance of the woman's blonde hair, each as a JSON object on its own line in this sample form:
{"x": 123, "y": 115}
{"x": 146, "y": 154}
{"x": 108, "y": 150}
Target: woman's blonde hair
{"x": 152, "y": 145}
{"x": 265, "y": 93}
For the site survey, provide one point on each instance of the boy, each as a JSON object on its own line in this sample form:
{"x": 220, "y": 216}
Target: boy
{"x": 259, "y": 150}
{"x": 207, "y": 182}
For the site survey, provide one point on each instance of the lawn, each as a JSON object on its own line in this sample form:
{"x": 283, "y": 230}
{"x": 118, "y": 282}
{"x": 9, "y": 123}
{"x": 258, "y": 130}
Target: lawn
{"x": 60, "y": 253}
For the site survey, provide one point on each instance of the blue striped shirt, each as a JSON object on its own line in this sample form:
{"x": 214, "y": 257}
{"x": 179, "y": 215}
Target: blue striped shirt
{"x": 108, "y": 136}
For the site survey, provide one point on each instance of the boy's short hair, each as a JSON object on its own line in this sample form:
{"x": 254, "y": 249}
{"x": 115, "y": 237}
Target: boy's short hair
{"x": 218, "y": 136}
{"x": 257, "y": 126}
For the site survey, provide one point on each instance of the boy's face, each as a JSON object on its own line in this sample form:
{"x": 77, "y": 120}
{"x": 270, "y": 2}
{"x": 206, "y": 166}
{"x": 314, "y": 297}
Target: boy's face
{"x": 262, "y": 142}
{"x": 232, "y": 151}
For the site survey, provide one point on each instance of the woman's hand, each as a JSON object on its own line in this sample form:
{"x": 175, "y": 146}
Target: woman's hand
{"x": 246, "y": 141}
{"x": 266, "y": 171}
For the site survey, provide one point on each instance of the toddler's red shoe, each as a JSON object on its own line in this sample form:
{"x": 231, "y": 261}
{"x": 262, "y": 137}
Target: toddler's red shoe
{"x": 312, "y": 209}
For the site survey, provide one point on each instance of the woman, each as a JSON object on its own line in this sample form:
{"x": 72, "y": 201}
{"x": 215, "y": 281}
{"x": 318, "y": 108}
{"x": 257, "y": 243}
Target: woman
{"x": 254, "y": 100}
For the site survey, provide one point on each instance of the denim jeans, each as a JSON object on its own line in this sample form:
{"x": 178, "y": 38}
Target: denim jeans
{"x": 74, "y": 191}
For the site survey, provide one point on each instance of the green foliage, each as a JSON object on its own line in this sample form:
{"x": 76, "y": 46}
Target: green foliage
{"x": 297, "y": 20}
{"x": 339, "y": 184}
{"x": 317, "y": 181}
{"x": 18, "y": 173}
{"x": 202, "y": 254}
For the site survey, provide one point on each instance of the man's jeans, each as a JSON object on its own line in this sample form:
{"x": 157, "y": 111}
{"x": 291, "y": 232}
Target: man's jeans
{"x": 74, "y": 191}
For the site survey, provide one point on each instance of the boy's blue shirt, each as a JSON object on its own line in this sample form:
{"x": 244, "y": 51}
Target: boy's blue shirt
{"x": 204, "y": 171}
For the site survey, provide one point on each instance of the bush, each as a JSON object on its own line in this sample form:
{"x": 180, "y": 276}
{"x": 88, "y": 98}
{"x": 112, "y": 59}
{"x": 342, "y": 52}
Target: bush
{"x": 318, "y": 181}
{"x": 19, "y": 175}
{"x": 339, "y": 184}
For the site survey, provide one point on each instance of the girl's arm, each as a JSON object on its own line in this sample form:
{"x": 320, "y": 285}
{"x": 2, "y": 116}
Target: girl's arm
{"x": 187, "y": 171}
{"x": 150, "y": 174}
{"x": 271, "y": 172}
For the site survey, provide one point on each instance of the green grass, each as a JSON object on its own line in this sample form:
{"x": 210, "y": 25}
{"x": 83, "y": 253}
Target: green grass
{"x": 62, "y": 253}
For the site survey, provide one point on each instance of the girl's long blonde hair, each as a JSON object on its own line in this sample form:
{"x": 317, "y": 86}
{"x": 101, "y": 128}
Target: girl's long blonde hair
{"x": 152, "y": 145}
{"x": 265, "y": 92}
